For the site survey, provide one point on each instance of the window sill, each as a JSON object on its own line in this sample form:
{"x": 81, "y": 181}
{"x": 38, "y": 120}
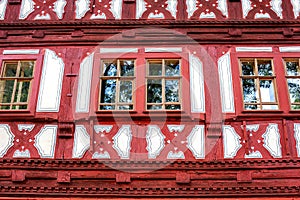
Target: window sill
{"x": 262, "y": 111}
{"x": 16, "y": 113}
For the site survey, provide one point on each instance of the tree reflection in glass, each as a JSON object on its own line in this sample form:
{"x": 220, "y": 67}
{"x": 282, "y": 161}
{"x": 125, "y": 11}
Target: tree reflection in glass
{"x": 15, "y": 84}
{"x": 154, "y": 91}
{"x": 258, "y": 84}
{"x": 172, "y": 68}
{"x": 293, "y": 81}
{"x": 264, "y": 67}
{"x": 117, "y": 85}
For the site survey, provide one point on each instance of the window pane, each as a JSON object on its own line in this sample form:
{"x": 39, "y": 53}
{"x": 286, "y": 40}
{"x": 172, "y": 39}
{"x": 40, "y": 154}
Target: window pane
{"x": 172, "y": 90}
{"x": 269, "y": 107}
{"x": 295, "y": 107}
{"x": 292, "y": 68}
{"x": 154, "y": 107}
{"x": 294, "y": 90}
{"x": 21, "y": 94}
{"x": 251, "y": 107}
{"x": 107, "y": 107}
{"x": 248, "y": 68}
{"x": 172, "y": 68}
{"x": 110, "y": 69}
{"x": 264, "y": 67}
{"x": 7, "y": 91}
{"x": 155, "y": 67}
{"x": 126, "y": 107}
{"x": 127, "y": 67}
{"x": 26, "y": 69}
{"x": 249, "y": 90}
{"x": 125, "y": 91}
{"x": 154, "y": 91}
{"x": 10, "y": 70}
{"x": 267, "y": 90}
{"x": 173, "y": 107}
{"x": 108, "y": 91}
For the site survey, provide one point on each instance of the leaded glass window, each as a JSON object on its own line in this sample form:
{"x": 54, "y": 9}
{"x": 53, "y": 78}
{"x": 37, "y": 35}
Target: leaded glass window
{"x": 163, "y": 84}
{"x": 15, "y": 84}
{"x": 292, "y": 72}
{"x": 117, "y": 84}
{"x": 258, "y": 83}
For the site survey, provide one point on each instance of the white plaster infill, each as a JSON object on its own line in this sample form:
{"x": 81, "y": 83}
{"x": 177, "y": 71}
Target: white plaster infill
{"x": 21, "y": 52}
{"x": 289, "y": 49}
{"x": 118, "y": 50}
{"x": 162, "y": 49}
{"x": 254, "y": 49}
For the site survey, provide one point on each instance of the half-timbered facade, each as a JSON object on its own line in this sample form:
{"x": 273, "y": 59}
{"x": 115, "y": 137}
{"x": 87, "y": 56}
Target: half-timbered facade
{"x": 150, "y": 99}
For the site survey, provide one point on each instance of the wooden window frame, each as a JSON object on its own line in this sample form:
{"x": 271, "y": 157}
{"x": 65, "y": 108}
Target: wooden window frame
{"x": 286, "y": 59}
{"x": 17, "y": 79}
{"x": 163, "y": 78}
{"x": 257, "y": 78}
{"x": 139, "y": 93}
{"x": 34, "y": 85}
{"x": 118, "y": 79}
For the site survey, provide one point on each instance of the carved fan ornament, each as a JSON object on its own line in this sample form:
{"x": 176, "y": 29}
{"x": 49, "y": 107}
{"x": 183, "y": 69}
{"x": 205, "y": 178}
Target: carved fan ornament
{"x": 42, "y": 9}
{"x": 260, "y": 9}
{"x": 200, "y": 9}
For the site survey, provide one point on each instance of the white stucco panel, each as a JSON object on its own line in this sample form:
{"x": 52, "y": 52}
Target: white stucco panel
{"x": 226, "y": 87}
{"x": 27, "y": 7}
{"x": 155, "y": 141}
{"x": 51, "y": 83}
{"x": 196, "y": 85}
{"x": 84, "y": 85}
{"x": 81, "y": 142}
{"x": 3, "y": 4}
{"x": 7, "y": 139}
{"x": 45, "y": 141}
{"x": 297, "y": 137}
{"x": 122, "y": 142}
{"x": 82, "y": 6}
{"x": 272, "y": 140}
{"x": 196, "y": 142}
{"x": 231, "y": 141}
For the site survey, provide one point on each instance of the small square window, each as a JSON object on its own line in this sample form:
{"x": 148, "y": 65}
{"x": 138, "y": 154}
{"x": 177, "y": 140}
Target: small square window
{"x": 163, "y": 83}
{"x": 117, "y": 84}
{"x": 292, "y": 73}
{"x": 15, "y": 84}
{"x": 258, "y": 84}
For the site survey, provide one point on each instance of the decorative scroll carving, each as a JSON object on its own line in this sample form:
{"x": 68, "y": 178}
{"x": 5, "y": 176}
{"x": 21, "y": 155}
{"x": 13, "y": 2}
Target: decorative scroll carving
{"x": 99, "y": 9}
{"x": 156, "y": 9}
{"x": 256, "y": 9}
{"x": 26, "y": 139}
{"x": 42, "y": 9}
{"x": 155, "y": 141}
{"x": 101, "y": 142}
{"x": 207, "y": 9}
{"x": 175, "y": 128}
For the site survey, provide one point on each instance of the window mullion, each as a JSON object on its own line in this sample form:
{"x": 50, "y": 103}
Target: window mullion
{"x": 163, "y": 85}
